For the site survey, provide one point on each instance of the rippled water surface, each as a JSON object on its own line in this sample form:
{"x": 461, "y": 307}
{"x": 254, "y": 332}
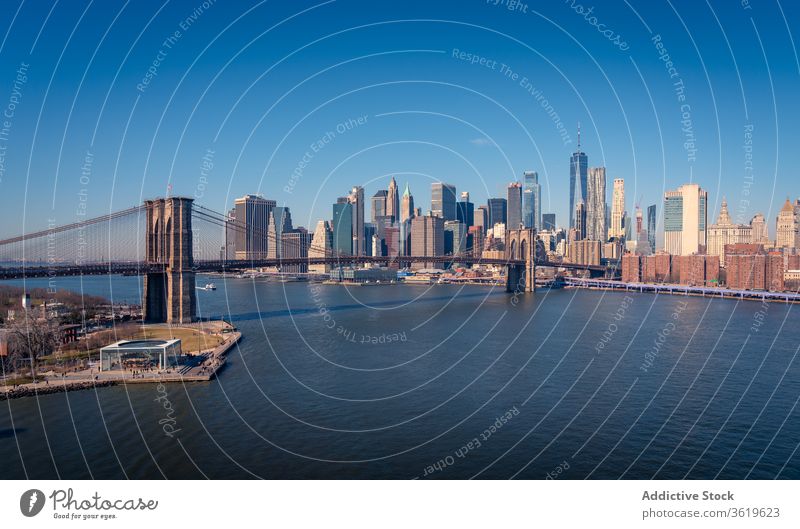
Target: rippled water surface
{"x": 442, "y": 382}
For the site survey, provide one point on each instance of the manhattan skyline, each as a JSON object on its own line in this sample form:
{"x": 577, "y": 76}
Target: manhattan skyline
{"x": 93, "y": 126}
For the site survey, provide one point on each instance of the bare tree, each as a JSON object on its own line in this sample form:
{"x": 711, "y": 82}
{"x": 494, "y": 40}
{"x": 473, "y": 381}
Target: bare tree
{"x": 30, "y": 338}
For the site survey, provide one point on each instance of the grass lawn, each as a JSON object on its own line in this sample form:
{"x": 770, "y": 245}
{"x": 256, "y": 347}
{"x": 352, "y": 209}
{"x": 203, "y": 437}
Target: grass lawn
{"x": 192, "y": 340}
{"x": 16, "y": 380}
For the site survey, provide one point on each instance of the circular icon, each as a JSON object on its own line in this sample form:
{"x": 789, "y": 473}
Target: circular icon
{"x": 31, "y": 502}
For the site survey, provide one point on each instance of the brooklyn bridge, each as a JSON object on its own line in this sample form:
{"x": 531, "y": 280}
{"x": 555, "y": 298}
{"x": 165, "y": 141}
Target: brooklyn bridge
{"x": 169, "y": 240}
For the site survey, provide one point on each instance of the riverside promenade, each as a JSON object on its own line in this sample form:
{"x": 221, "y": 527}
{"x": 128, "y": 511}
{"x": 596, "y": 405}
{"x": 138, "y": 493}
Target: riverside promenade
{"x": 684, "y": 290}
{"x": 203, "y": 367}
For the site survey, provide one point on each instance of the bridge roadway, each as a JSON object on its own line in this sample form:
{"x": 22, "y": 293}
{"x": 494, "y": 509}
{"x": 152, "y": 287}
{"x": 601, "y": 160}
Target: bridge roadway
{"x": 142, "y": 267}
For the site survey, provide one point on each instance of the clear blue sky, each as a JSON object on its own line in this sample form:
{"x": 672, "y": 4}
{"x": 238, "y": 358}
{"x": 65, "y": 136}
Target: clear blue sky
{"x": 258, "y": 83}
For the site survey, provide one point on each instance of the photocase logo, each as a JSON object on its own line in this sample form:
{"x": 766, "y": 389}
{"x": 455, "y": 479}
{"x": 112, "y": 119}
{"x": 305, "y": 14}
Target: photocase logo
{"x": 31, "y": 502}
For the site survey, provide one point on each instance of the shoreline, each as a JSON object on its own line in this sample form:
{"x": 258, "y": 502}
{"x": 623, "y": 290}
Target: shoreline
{"x": 211, "y": 366}
{"x": 685, "y": 290}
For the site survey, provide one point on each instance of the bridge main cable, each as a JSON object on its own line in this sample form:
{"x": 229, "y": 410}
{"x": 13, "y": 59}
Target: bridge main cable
{"x": 72, "y": 226}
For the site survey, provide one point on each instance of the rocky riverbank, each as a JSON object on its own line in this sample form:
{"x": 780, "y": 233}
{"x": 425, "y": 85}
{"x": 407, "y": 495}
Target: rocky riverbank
{"x": 29, "y": 390}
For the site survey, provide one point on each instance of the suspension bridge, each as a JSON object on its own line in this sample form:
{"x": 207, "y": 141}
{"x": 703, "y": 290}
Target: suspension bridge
{"x": 169, "y": 240}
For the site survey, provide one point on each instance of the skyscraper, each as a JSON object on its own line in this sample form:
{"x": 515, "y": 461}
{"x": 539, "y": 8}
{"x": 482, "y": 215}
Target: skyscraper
{"x": 427, "y": 239}
{"x": 321, "y": 245}
{"x": 596, "y": 204}
{"x": 357, "y": 200}
{"x": 617, "y": 228}
{"x": 253, "y": 212}
{"x": 343, "y": 226}
{"x": 685, "y": 220}
{"x": 295, "y": 245}
{"x": 482, "y": 217}
{"x": 455, "y": 237}
{"x": 514, "y": 205}
{"x": 497, "y": 208}
{"x": 393, "y": 201}
{"x": 532, "y": 200}
{"x": 280, "y": 222}
{"x": 578, "y": 167}
{"x": 406, "y": 205}
{"x": 580, "y": 221}
{"x": 549, "y": 221}
{"x": 379, "y": 202}
{"x": 651, "y": 227}
{"x": 465, "y": 210}
{"x": 724, "y": 232}
{"x": 760, "y": 231}
{"x": 443, "y": 200}
{"x": 231, "y": 229}
{"x": 786, "y": 231}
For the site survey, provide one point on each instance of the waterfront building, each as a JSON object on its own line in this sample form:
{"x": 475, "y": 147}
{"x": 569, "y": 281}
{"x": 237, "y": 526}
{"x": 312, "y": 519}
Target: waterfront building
{"x": 295, "y": 245}
{"x": 140, "y": 354}
{"x": 725, "y": 232}
{"x": 406, "y": 205}
{"x": 596, "y": 204}
{"x": 786, "y": 230}
{"x": 363, "y": 275}
{"x": 497, "y": 208}
{"x": 427, "y": 239}
{"x": 379, "y": 202}
{"x": 343, "y": 226}
{"x": 750, "y": 267}
{"x": 531, "y": 200}
{"x": 443, "y": 200}
{"x": 465, "y": 210}
{"x": 356, "y": 198}
{"x": 697, "y": 269}
{"x": 657, "y": 268}
{"x": 252, "y": 212}
{"x": 321, "y": 246}
{"x": 514, "y": 205}
{"x": 618, "y": 226}
{"x": 685, "y": 220}
{"x": 631, "y": 268}
{"x": 578, "y": 166}
{"x": 393, "y": 201}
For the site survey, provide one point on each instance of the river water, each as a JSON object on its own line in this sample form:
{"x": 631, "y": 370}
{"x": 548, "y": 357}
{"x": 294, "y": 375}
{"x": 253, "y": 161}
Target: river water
{"x": 440, "y": 382}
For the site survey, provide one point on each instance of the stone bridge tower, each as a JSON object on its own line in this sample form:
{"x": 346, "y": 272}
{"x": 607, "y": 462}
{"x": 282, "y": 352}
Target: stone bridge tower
{"x": 521, "y": 246}
{"x": 169, "y": 296}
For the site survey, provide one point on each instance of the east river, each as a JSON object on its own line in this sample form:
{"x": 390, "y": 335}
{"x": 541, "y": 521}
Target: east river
{"x": 433, "y": 382}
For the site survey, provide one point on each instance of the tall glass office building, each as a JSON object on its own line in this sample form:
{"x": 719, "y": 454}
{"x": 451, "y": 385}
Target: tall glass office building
{"x": 685, "y": 220}
{"x": 532, "y": 200}
{"x": 497, "y": 211}
{"x": 443, "y": 201}
{"x": 578, "y": 174}
{"x": 514, "y": 206}
{"x": 343, "y": 226}
{"x": 651, "y": 227}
